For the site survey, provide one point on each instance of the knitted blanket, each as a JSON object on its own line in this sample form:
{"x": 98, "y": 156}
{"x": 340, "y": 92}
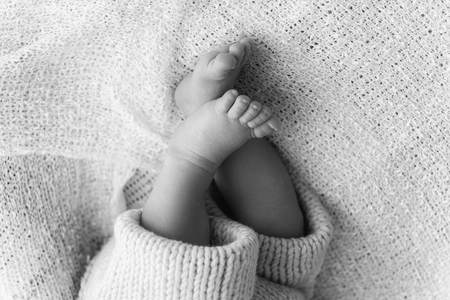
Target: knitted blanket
{"x": 362, "y": 89}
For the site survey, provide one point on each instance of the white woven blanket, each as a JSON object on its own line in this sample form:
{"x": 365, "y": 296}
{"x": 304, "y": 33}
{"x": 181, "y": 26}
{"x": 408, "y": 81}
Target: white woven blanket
{"x": 362, "y": 88}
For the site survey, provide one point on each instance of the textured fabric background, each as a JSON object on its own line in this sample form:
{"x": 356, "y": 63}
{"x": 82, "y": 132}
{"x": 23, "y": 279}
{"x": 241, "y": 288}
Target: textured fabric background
{"x": 362, "y": 87}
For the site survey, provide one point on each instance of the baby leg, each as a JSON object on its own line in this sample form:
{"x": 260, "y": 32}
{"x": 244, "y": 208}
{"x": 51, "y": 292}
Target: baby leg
{"x": 259, "y": 191}
{"x": 253, "y": 181}
{"x": 176, "y": 207}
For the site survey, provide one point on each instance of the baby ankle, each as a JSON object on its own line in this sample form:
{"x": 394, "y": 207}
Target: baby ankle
{"x": 195, "y": 159}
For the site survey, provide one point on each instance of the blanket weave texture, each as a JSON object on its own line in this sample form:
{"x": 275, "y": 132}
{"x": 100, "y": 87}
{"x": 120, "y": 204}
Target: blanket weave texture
{"x": 362, "y": 89}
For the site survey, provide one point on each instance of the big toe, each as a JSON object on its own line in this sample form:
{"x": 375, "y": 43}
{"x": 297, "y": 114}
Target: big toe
{"x": 221, "y": 65}
{"x": 224, "y": 103}
{"x": 239, "y": 107}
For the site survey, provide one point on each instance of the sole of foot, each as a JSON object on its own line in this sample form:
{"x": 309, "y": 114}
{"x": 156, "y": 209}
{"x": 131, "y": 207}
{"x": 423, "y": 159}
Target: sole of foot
{"x": 214, "y": 74}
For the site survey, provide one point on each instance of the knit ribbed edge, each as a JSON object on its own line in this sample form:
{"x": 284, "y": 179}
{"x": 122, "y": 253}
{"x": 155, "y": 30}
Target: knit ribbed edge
{"x": 294, "y": 262}
{"x": 268, "y": 290}
{"x": 297, "y": 261}
{"x": 146, "y": 266}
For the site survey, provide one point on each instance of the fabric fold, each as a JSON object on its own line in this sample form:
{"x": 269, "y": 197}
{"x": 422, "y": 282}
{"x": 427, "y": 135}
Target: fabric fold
{"x": 296, "y": 262}
{"x": 240, "y": 264}
{"x": 146, "y": 266}
{"x": 292, "y": 262}
{"x": 268, "y": 290}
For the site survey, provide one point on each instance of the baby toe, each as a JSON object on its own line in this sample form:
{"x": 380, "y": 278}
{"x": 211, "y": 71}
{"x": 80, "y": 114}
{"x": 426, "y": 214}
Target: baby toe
{"x": 248, "y": 44}
{"x": 206, "y": 58}
{"x": 252, "y": 111}
{"x": 246, "y": 40}
{"x": 225, "y": 48}
{"x": 224, "y": 103}
{"x": 239, "y": 107}
{"x": 238, "y": 51}
{"x": 262, "y": 117}
{"x": 272, "y": 125}
{"x": 221, "y": 65}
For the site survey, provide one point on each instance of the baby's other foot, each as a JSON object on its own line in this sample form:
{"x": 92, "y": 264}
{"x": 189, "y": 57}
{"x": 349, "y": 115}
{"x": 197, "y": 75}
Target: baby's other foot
{"x": 215, "y": 73}
{"x": 220, "y": 127}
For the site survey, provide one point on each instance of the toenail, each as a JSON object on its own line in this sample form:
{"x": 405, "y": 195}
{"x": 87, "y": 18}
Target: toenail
{"x": 255, "y": 106}
{"x": 234, "y": 92}
{"x": 244, "y": 100}
{"x": 273, "y": 128}
{"x": 266, "y": 112}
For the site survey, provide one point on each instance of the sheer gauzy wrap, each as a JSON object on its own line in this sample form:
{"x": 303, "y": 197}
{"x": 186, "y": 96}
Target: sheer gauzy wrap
{"x": 86, "y": 110}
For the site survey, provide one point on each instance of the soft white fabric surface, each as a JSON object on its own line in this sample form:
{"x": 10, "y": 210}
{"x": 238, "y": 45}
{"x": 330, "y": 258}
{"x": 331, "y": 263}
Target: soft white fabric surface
{"x": 362, "y": 87}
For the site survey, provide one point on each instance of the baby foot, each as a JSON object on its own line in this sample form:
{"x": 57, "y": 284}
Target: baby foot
{"x": 215, "y": 73}
{"x": 219, "y": 127}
